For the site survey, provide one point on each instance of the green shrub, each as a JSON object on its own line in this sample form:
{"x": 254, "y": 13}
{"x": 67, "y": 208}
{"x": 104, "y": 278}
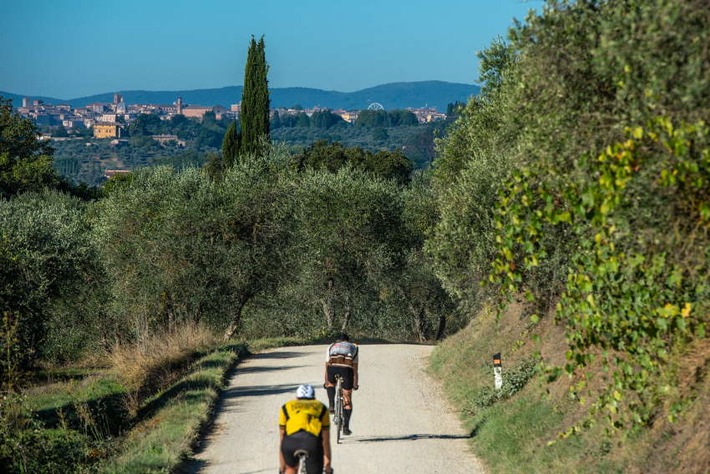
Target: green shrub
{"x": 40, "y": 451}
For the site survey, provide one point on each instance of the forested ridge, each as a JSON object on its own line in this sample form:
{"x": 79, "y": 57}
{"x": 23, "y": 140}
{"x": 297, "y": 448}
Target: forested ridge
{"x": 571, "y": 198}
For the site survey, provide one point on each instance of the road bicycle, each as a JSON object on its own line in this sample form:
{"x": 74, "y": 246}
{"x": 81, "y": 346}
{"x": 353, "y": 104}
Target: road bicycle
{"x": 338, "y": 412}
{"x": 302, "y": 456}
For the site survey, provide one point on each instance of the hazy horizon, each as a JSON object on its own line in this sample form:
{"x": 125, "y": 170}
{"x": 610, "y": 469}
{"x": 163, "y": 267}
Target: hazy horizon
{"x": 123, "y": 91}
{"x": 83, "y": 48}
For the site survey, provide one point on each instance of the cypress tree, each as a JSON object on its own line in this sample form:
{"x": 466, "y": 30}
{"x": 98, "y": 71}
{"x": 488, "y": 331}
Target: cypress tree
{"x": 254, "y": 116}
{"x": 230, "y": 145}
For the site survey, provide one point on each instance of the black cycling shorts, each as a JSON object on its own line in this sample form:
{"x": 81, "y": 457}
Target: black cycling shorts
{"x": 303, "y": 440}
{"x": 345, "y": 372}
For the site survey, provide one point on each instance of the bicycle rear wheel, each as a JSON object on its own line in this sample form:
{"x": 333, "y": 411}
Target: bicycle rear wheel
{"x": 302, "y": 456}
{"x": 339, "y": 421}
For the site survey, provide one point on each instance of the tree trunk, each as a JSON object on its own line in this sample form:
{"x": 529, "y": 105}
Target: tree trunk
{"x": 442, "y": 327}
{"x": 166, "y": 311}
{"x": 328, "y": 312}
{"x": 419, "y": 323}
{"x": 236, "y": 320}
{"x": 327, "y": 303}
{"x": 346, "y": 318}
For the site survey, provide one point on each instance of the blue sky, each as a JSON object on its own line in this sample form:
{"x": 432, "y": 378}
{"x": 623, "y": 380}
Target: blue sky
{"x": 74, "y": 48}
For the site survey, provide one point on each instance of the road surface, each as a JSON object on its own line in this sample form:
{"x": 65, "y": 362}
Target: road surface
{"x": 400, "y": 422}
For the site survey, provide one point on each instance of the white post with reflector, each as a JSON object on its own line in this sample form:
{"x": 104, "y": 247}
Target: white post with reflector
{"x": 497, "y": 371}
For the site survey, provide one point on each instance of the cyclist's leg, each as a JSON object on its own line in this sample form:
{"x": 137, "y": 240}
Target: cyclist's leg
{"x": 330, "y": 387}
{"x": 314, "y": 446}
{"x": 314, "y": 463}
{"x": 289, "y": 445}
{"x": 347, "y": 397}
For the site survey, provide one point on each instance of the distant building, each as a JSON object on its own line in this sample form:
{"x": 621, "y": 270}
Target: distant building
{"x": 73, "y": 123}
{"x": 427, "y": 114}
{"x": 196, "y": 111}
{"x": 220, "y": 112}
{"x": 107, "y": 130}
{"x": 96, "y": 107}
{"x": 349, "y": 116}
{"x": 163, "y": 139}
{"x": 108, "y": 174}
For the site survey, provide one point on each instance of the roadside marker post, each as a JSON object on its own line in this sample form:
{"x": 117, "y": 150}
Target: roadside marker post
{"x": 497, "y": 371}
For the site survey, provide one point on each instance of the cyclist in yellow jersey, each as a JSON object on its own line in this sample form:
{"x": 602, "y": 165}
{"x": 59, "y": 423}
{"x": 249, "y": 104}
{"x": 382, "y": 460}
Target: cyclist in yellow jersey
{"x": 342, "y": 359}
{"x": 304, "y": 423}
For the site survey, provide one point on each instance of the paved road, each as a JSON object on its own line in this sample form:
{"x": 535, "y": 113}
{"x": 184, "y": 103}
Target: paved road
{"x": 400, "y": 423}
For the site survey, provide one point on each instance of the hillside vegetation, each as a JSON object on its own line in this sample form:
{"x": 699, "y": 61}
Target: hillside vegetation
{"x": 564, "y": 223}
{"x": 576, "y": 192}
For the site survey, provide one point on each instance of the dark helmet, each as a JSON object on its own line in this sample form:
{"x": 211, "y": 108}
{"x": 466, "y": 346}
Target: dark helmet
{"x": 343, "y": 337}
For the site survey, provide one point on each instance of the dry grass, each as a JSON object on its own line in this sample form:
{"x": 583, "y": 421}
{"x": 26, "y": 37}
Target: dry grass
{"x": 146, "y": 367}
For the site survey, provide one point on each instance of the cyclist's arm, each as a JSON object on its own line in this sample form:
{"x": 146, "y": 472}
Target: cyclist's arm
{"x": 325, "y": 434}
{"x": 282, "y": 462}
{"x": 325, "y": 371}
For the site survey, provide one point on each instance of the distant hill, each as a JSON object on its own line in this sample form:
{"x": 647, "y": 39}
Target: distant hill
{"x": 398, "y": 95}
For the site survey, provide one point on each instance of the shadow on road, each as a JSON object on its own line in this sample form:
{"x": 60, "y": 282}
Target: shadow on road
{"x": 259, "y": 390}
{"x": 412, "y": 437}
{"x": 261, "y": 368}
{"x": 278, "y": 355}
{"x": 191, "y": 466}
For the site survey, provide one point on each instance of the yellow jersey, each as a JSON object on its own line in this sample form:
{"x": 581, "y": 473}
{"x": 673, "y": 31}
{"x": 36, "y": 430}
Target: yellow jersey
{"x": 304, "y": 415}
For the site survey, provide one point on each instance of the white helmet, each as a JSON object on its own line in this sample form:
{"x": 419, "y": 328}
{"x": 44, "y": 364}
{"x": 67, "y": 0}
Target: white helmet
{"x": 305, "y": 391}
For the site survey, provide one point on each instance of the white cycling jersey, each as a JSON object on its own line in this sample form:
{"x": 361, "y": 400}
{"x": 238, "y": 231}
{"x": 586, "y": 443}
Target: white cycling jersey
{"x": 344, "y": 349}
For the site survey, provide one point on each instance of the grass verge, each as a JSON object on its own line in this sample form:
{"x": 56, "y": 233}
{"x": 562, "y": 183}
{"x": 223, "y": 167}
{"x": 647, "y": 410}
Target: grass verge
{"x": 518, "y": 429}
{"x": 160, "y": 442}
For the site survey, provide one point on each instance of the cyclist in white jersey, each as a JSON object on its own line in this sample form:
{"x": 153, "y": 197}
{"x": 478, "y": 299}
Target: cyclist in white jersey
{"x": 342, "y": 359}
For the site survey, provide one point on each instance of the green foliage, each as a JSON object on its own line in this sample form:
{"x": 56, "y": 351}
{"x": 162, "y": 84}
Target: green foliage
{"x": 50, "y": 279}
{"x": 255, "y": 104}
{"x": 181, "y": 247}
{"x": 146, "y": 125}
{"x": 346, "y": 239}
{"x": 383, "y": 118}
{"x": 580, "y": 177}
{"x": 47, "y": 451}
{"x": 636, "y": 302}
{"x": 322, "y": 155}
{"x": 161, "y": 442}
{"x": 25, "y": 161}
{"x": 12, "y": 354}
{"x": 19, "y": 136}
{"x": 514, "y": 380}
{"x": 325, "y": 119}
{"x": 230, "y": 145}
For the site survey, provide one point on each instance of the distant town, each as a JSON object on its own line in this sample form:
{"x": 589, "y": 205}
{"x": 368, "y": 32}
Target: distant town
{"x": 111, "y": 120}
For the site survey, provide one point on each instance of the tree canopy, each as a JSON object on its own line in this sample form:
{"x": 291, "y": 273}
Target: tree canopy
{"x": 25, "y": 161}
